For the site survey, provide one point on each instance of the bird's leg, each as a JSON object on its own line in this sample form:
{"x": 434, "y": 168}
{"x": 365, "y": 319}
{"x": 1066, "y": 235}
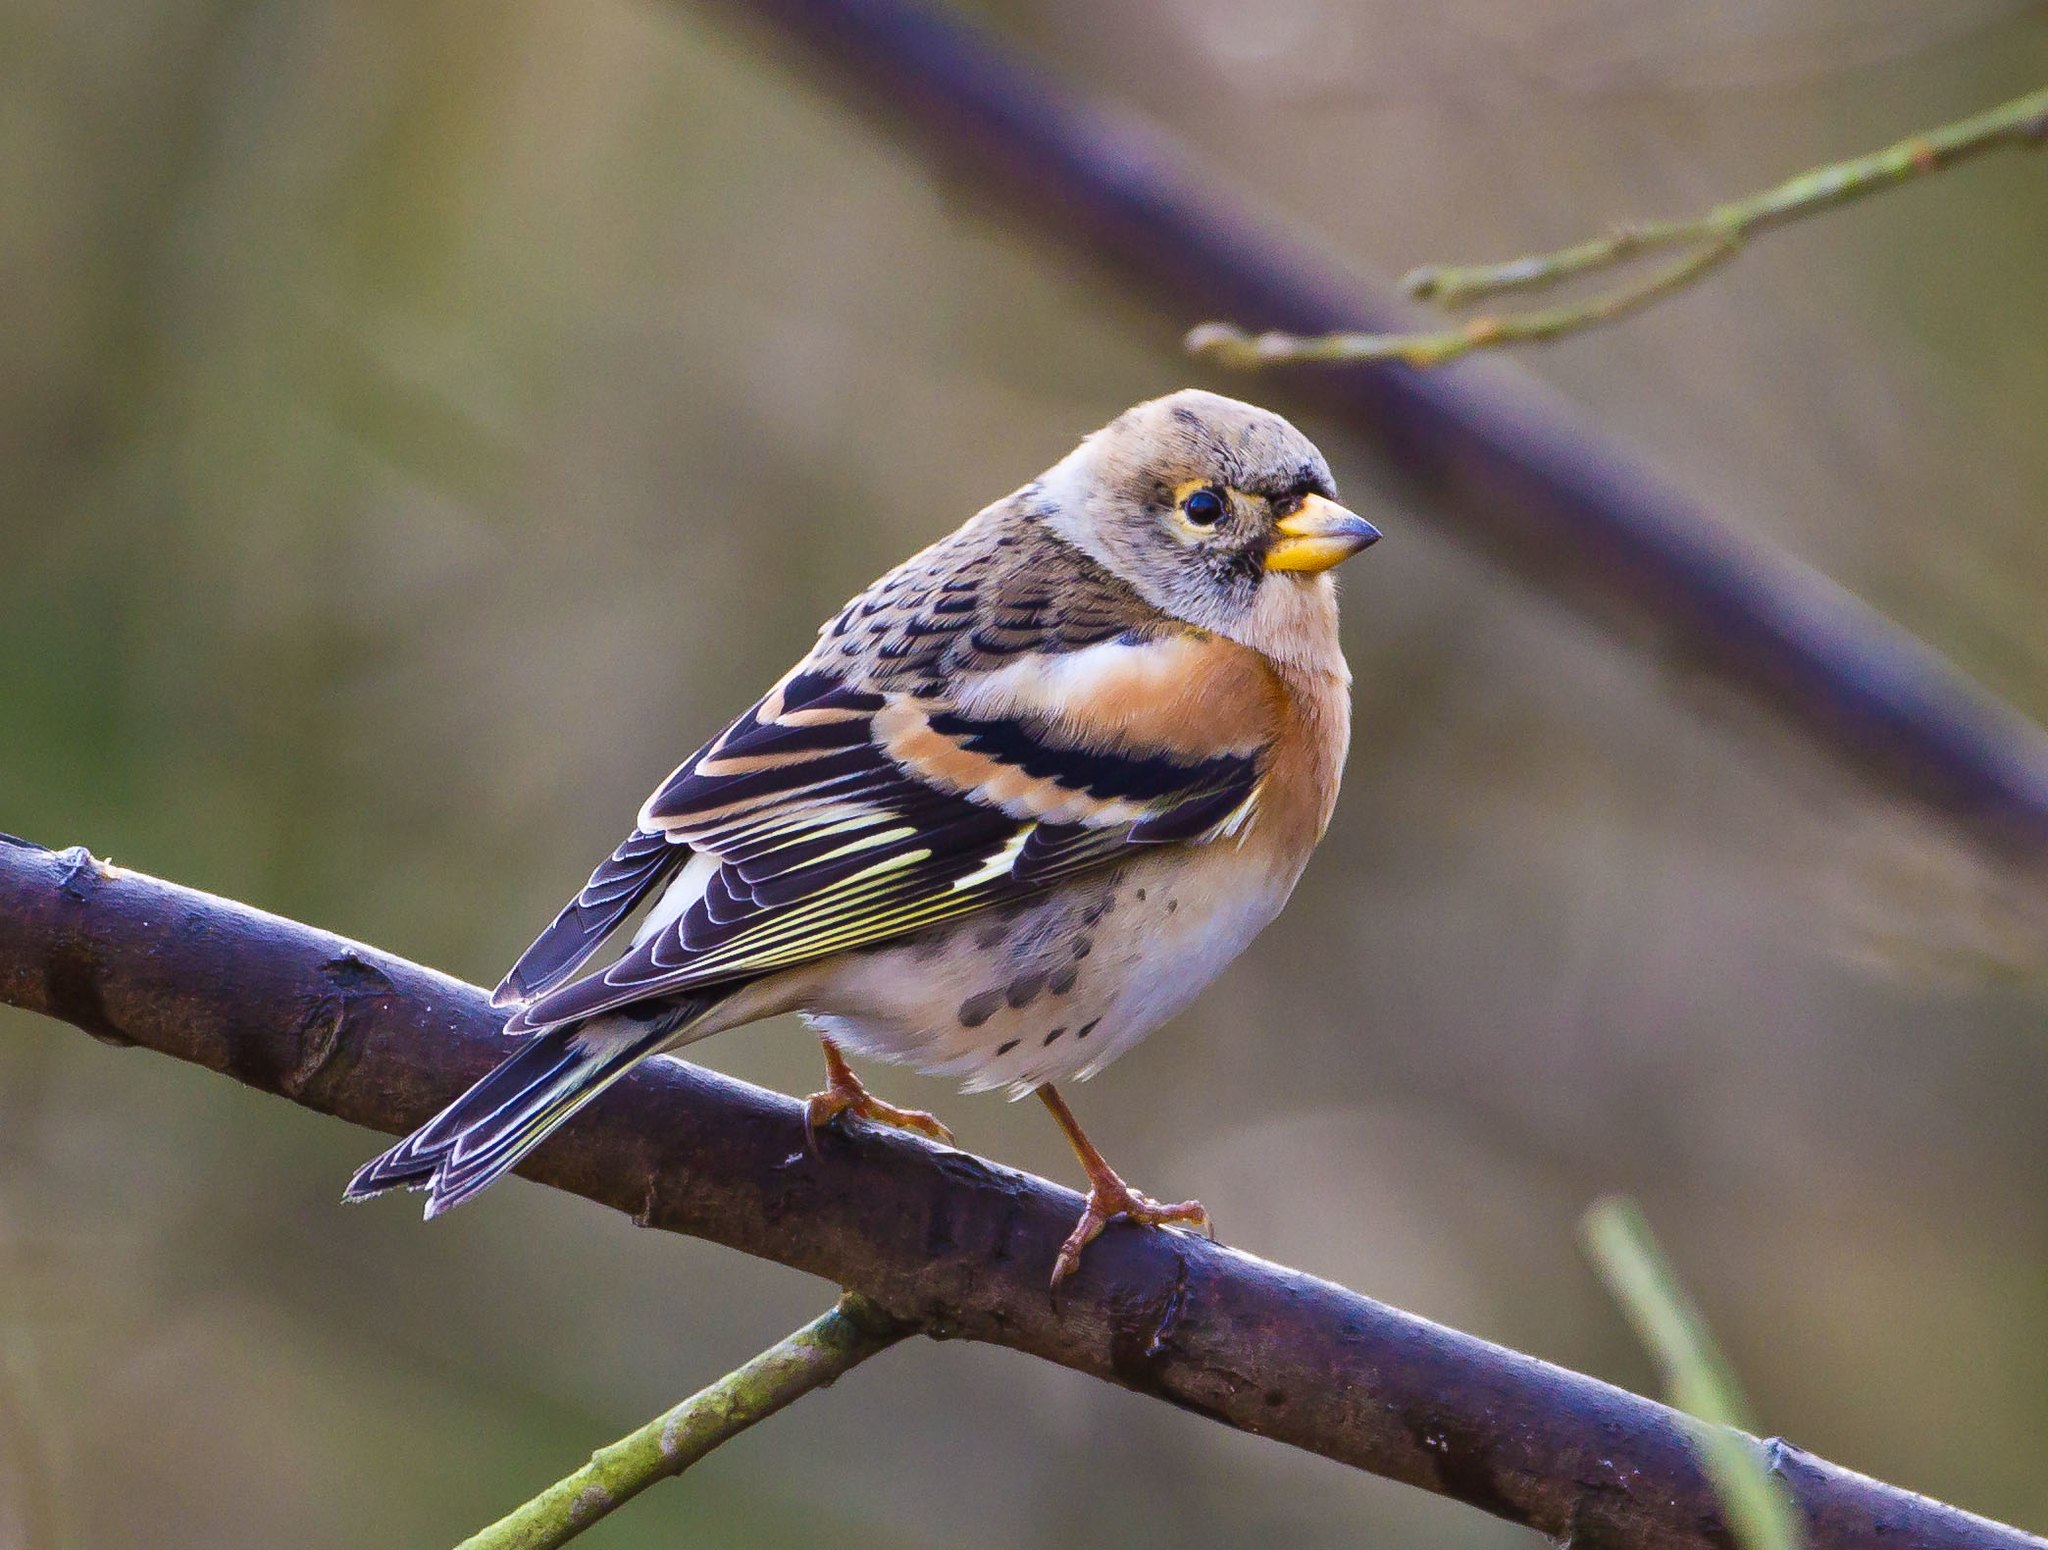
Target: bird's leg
{"x": 1109, "y": 1197}
{"x": 844, "y": 1094}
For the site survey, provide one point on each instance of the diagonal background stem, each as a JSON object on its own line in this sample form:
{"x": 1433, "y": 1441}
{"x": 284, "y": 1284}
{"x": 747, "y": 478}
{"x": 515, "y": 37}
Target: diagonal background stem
{"x": 1699, "y": 1379}
{"x": 832, "y": 1344}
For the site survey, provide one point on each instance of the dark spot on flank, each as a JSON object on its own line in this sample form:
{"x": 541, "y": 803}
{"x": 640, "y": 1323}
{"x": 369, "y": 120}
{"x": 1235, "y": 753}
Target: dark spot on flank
{"x": 1140, "y": 896}
{"x": 1061, "y": 980}
{"x": 1024, "y": 987}
{"x": 1007, "y": 1045}
{"x": 1172, "y": 905}
{"x": 1051, "y": 1036}
{"x": 993, "y": 933}
{"x": 1087, "y": 1028}
{"x": 1083, "y": 946}
{"x": 1186, "y": 416}
{"x": 976, "y": 1010}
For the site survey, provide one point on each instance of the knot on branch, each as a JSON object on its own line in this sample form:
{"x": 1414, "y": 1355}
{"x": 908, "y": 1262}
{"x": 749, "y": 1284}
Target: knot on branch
{"x": 320, "y": 1034}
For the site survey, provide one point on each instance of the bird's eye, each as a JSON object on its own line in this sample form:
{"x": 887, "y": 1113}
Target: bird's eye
{"x": 1204, "y": 508}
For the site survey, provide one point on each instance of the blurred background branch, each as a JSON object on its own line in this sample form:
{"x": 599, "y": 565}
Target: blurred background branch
{"x": 938, "y": 1239}
{"x": 819, "y": 1354}
{"x": 1496, "y": 459}
{"x": 1708, "y": 241}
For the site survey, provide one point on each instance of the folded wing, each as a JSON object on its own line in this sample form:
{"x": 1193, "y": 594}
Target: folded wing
{"x": 834, "y": 816}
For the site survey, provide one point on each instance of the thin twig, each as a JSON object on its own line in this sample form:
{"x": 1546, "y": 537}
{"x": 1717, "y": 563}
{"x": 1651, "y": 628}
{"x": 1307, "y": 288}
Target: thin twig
{"x": 1711, "y": 240}
{"x": 1233, "y": 348}
{"x": 1697, "y": 1377}
{"x": 834, "y": 1343}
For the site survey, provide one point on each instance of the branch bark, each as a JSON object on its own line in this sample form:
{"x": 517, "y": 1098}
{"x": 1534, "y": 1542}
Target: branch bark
{"x": 1498, "y": 460}
{"x": 945, "y": 1242}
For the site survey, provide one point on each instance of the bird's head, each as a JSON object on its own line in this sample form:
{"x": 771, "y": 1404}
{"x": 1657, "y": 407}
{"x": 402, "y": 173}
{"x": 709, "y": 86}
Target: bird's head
{"x": 1219, "y": 513}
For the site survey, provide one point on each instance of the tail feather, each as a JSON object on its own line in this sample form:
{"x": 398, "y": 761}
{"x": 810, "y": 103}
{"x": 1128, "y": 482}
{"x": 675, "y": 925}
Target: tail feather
{"x": 614, "y": 891}
{"x": 485, "y": 1132}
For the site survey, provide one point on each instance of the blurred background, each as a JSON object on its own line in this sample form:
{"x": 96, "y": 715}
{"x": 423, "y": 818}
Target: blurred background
{"x": 422, "y": 425}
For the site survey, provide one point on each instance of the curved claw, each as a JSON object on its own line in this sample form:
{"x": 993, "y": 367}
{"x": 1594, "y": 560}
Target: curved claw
{"x": 1112, "y": 1200}
{"x": 844, "y": 1094}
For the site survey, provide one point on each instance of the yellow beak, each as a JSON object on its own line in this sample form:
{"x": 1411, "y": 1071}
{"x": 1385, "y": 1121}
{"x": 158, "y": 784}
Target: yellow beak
{"x": 1318, "y": 536}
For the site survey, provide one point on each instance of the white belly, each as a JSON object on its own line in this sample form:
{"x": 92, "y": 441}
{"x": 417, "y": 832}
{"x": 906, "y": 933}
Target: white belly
{"x": 1054, "y": 990}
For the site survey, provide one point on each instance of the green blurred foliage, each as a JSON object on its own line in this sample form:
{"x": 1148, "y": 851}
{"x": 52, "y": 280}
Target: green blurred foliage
{"x": 422, "y": 425}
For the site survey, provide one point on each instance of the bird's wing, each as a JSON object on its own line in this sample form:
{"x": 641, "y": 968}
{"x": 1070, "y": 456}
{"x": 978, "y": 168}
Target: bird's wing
{"x": 836, "y": 814}
{"x": 622, "y": 880}
{"x": 999, "y": 592}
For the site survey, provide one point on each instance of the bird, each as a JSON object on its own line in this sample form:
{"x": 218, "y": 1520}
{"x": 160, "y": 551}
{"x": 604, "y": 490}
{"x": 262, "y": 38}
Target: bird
{"x": 1021, "y": 801}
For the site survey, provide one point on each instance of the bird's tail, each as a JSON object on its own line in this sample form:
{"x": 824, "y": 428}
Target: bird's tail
{"x": 486, "y": 1131}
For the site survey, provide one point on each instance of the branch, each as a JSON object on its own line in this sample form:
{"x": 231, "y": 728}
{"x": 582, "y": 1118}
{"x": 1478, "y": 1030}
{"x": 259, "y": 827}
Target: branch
{"x": 1711, "y": 240}
{"x": 1232, "y": 346}
{"x": 835, "y": 1342}
{"x": 1493, "y": 457}
{"x": 939, "y": 1240}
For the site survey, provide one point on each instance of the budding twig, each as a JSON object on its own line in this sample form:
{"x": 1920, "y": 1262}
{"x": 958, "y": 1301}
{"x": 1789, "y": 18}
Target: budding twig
{"x": 1707, "y": 242}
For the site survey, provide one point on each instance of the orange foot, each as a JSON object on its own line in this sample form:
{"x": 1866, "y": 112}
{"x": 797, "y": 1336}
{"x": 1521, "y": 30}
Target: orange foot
{"x": 844, "y": 1094}
{"x": 1111, "y": 1199}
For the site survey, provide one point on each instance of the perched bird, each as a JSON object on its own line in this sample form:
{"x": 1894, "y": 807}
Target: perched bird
{"x": 1025, "y": 797}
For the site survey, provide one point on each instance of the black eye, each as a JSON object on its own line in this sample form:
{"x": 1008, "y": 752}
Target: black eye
{"x": 1204, "y": 508}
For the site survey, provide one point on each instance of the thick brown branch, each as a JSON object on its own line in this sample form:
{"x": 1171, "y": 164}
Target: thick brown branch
{"x": 955, "y": 1245}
